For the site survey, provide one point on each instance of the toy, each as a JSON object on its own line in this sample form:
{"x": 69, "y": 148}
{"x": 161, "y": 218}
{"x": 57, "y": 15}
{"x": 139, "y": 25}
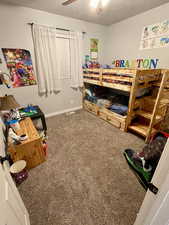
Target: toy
{"x": 144, "y": 164}
{"x": 16, "y": 139}
{"x": 16, "y": 78}
{"x": 5, "y": 79}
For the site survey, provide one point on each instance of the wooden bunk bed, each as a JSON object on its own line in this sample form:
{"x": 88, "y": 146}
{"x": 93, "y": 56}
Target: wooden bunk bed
{"x": 145, "y": 114}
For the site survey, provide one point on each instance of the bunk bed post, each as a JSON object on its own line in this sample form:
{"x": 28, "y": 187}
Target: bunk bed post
{"x": 101, "y": 76}
{"x": 132, "y": 99}
{"x": 165, "y": 74}
{"x": 83, "y": 93}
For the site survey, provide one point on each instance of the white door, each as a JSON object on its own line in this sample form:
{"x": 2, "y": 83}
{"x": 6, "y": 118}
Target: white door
{"x": 158, "y": 214}
{"x": 12, "y": 209}
{"x": 154, "y": 206}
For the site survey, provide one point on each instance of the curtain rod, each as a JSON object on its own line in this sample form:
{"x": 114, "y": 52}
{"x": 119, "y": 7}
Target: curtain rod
{"x": 57, "y": 28}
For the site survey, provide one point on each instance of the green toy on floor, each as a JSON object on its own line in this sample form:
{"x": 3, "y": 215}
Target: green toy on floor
{"x": 144, "y": 164}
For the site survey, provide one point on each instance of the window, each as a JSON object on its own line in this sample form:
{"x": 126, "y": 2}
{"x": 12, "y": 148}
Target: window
{"x": 63, "y": 46}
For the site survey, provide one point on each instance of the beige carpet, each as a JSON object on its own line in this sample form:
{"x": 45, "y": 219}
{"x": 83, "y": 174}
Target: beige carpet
{"x": 86, "y": 180}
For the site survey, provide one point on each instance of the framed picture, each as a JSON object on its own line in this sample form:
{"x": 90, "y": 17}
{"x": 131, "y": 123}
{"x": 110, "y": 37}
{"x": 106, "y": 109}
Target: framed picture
{"x": 94, "y": 48}
{"x": 19, "y": 64}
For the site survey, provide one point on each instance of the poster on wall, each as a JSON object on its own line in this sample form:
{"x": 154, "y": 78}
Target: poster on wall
{"x": 19, "y": 64}
{"x": 155, "y": 36}
{"x": 94, "y": 48}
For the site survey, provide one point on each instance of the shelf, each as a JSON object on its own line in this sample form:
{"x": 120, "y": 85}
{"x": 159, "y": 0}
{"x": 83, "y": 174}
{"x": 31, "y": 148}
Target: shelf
{"x": 144, "y": 85}
{"x": 148, "y": 79}
{"x": 141, "y": 129}
{"x": 148, "y": 115}
{"x": 140, "y": 100}
{"x": 150, "y": 99}
{"x": 157, "y": 84}
{"x": 148, "y": 102}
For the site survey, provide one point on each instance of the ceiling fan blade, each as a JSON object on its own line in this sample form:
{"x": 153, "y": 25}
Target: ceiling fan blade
{"x": 68, "y": 2}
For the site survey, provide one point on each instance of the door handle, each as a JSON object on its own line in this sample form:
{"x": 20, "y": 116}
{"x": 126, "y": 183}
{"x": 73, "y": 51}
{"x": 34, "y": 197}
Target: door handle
{"x": 153, "y": 188}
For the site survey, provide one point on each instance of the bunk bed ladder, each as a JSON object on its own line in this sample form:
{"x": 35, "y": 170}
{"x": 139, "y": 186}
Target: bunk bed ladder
{"x": 165, "y": 74}
{"x": 132, "y": 99}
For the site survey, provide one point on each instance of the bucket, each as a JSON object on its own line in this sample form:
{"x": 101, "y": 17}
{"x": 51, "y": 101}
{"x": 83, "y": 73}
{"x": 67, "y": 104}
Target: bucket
{"x": 18, "y": 171}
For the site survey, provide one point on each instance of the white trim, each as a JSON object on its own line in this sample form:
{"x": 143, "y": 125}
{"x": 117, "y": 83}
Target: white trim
{"x": 62, "y": 111}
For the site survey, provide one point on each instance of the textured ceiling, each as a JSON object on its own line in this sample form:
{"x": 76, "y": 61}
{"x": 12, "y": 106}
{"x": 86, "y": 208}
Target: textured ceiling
{"x": 115, "y": 11}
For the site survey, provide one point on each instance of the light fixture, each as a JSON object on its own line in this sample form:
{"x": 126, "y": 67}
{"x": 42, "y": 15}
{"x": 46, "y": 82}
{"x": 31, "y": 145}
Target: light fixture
{"x": 104, "y": 2}
{"x": 98, "y": 4}
{"x": 94, "y": 3}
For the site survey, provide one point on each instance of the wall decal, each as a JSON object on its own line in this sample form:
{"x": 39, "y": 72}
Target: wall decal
{"x": 19, "y": 64}
{"x": 136, "y": 64}
{"x": 155, "y": 36}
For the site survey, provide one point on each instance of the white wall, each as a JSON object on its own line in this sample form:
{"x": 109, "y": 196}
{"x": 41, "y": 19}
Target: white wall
{"x": 15, "y": 33}
{"x": 124, "y": 37}
{"x": 120, "y": 40}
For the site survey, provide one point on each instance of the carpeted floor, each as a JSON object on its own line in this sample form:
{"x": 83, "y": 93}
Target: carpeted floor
{"x": 86, "y": 180}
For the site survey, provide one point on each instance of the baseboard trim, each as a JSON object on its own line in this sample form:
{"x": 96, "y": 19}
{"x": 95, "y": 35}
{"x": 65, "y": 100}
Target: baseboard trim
{"x": 62, "y": 111}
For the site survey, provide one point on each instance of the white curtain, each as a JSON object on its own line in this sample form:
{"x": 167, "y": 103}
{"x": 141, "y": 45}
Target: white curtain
{"x": 48, "y": 63}
{"x": 45, "y": 44}
{"x": 2, "y": 138}
{"x": 76, "y": 54}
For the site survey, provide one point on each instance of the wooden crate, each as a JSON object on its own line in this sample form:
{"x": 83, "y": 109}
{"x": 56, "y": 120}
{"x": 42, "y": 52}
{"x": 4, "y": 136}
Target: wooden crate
{"x": 91, "y": 107}
{"x": 113, "y": 118}
{"x": 105, "y": 114}
{"x": 30, "y": 150}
